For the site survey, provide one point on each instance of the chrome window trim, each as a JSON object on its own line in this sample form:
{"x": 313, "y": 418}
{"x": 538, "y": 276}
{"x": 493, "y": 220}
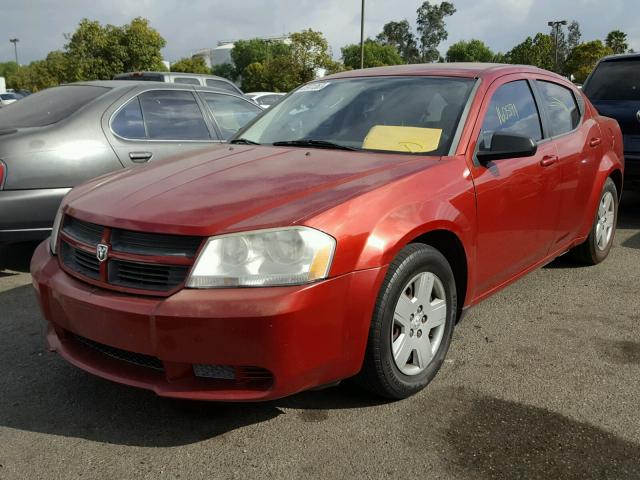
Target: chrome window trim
{"x": 192, "y": 90}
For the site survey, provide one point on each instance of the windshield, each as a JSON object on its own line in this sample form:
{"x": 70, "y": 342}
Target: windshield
{"x": 614, "y": 80}
{"x": 394, "y": 114}
{"x": 48, "y": 106}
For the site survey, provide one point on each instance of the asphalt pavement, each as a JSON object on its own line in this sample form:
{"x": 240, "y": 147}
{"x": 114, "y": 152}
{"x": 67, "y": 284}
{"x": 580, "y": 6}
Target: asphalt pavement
{"x": 542, "y": 381}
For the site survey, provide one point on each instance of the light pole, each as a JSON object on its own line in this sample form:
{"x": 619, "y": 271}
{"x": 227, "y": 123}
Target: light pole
{"x": 362, "y": 36}
{"x": 15, "y": 47}
{"x": 555, "y": 24}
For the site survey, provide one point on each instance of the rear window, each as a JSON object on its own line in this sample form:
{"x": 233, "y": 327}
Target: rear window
{"x": 48, "y": 106}
{"x": 614, "y": 80}
{"x": 187, "y": 80}
{"x": 221, "y": 84}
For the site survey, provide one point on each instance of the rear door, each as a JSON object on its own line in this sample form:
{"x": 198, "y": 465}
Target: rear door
{"x": 516, "y": 214}
{"x": 579, "y": 144}
{"x": 614, "y": 89}
{"x": 158, "y": 123}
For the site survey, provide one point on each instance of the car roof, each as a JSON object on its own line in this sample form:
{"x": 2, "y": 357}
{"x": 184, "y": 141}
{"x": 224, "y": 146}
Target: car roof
{"x": 457, "y": 69}
{"x": 144, "y": 72}
{"x": 115, "y": 84}
{"x": 621, "y": 56}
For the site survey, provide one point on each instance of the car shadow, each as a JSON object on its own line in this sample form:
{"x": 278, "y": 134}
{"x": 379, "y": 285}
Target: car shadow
{"x": 16, "y": 257}
{"x": 42, "y": 393}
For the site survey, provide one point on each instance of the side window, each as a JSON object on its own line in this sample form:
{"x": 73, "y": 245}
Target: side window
{"x": 221, "y": 85}
{"x": 173, "y": 115}
{"x": 561, "y": 107}
{"x": 270, "y": 100}
{"x": 231, "y": 113}
{"x": 128, "y": 122}
{"x": 186, "y": 80}
{"x": 512, "y": 110}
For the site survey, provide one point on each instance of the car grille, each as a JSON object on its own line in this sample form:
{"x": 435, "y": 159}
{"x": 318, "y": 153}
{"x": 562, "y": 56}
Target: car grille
{"x": 138, "y": 359}
{"x": 152, "y": 263}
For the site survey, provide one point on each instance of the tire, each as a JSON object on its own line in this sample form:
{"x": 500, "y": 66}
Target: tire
{"x": 428, "y": 332}
{"x": 598, "y": 244}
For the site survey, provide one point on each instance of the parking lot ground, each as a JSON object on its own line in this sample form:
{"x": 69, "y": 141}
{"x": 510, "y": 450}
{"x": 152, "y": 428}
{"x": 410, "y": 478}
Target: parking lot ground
{"x": 542, "y": 381}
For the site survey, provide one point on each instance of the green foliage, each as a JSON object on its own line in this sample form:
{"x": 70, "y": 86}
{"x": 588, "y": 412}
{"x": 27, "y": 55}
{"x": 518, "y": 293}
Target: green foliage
{"x": 537, "y": 51}
{"x": 431, "y": 28}
{"x": 400, "y": 36}
{"x": 617, "y": 41}
{"x": 225, "y": 70}
{"x": 584, "y": 57}
{"x": 190, "y": 65}
{"x": 375, "y": 55}
{"x": 100, "y": 52}
{"x": 278, "y": 66}
{"x": 94, "y": 52}
{"x": 8, "y": 68}
{"x": 471, "y": 51}
{"x": 257, "y": 50}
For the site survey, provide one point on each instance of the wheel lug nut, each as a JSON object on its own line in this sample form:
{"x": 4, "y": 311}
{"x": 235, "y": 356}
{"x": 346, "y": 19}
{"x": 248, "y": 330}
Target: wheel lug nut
{"x": 419, "y": 333}
{"x": 411, "y": 316}
{"x": 411, "y": 332}
{"x": 420, "y": 309}
{"x": 424, "y": 319}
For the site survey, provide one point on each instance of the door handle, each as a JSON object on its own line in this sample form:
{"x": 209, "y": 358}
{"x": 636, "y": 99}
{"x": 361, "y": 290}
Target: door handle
{"x": 140, "y": 157}
{"x": 548, "y": 160}
{"x": 595, "y": 142}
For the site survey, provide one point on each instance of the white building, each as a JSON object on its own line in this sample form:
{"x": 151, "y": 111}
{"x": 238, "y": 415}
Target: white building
{"x": 222, "y": 53}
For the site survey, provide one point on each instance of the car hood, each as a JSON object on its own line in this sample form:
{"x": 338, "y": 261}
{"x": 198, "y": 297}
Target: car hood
{"x": 235, "y": 188}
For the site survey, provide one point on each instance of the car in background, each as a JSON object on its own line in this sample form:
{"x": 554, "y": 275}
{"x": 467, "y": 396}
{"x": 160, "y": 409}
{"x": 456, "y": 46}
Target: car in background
{"x": 62, "y": 136}
{"x": 614, "y": 89}
{"x": 265, "y": 99}
{"x": 184, "y": 78}
{"x": 343, "y": 233}
{"x": 8, "y": 98}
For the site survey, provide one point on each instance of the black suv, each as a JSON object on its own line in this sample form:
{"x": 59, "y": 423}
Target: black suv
{"x": 614, "y": 89}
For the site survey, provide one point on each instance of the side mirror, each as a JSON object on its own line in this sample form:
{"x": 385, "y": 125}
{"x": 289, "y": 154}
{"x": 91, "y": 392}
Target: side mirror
{"x": 507, "y": 145}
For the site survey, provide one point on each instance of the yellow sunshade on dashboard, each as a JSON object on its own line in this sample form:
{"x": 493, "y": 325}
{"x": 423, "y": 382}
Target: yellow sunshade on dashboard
{"x": 402, "y": 139}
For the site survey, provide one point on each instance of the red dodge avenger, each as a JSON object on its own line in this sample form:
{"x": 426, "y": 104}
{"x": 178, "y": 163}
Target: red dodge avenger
{"x": 342, "y": 234}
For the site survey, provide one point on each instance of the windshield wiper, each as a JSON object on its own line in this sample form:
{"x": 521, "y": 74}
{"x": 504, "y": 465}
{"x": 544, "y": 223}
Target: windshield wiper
{"x": 244, "y": 141}
{"x": 307, "y": 142}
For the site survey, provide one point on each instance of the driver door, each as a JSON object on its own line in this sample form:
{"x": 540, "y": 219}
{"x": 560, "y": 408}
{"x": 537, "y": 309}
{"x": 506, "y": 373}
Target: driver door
{"x": 516, "y": 216}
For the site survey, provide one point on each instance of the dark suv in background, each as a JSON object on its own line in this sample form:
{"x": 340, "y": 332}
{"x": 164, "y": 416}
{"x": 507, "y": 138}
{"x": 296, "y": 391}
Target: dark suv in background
{"x": 614, "y": 89}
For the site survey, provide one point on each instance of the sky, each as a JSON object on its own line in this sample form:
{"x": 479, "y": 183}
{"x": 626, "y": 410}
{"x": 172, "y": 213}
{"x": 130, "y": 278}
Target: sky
{"x": 188, "y": 26}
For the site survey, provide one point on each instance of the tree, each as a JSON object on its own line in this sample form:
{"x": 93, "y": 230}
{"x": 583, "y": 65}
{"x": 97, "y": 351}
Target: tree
{"x": 190, "y": 65}
{"x": 225, "y": 70}
{"x": 375, "y": 55}
{"x": 584, "y": 57}
{"x": 8, "y": 68}
{"x": 617, "y": 41}
{"x": 257, "y": 50}
{"x": 431, "y": 28}
{"x": 400, "y": 36}
{"x": 537, "y": 51}
{"x": 310, "y": 52}
{"x": 99, "y": 52}
{"x": 573, "y": 39}
{"x": 471, "y": 51}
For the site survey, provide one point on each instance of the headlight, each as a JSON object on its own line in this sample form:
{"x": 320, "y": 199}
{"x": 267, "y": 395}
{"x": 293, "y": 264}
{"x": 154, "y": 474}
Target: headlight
{"x": 53, "y": 240}
{"x": 283, "y": 256}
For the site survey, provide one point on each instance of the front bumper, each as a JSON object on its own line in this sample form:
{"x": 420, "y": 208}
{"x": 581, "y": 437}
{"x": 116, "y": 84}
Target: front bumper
{"x": 294, "y": 337}
{"x": 27, "y": 215}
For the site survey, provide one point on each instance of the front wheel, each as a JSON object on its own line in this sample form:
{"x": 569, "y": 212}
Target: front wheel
{"x": 597, "y": 246}
{"x": 412, "y": 324}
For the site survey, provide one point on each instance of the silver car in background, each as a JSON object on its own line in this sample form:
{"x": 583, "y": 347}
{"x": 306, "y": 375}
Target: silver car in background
{"x": 57, "y": 138}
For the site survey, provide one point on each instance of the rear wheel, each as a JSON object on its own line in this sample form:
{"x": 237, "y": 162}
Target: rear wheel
{"x": 412, "y": 324}
{"x": 597, "y": 246}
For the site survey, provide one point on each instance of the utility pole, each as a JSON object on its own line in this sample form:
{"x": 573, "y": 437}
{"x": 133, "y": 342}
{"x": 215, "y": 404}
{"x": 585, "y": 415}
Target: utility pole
{"x": 15, "y": 47}
{"x": 555, "y": 24}
{"x": 362, "y": 36}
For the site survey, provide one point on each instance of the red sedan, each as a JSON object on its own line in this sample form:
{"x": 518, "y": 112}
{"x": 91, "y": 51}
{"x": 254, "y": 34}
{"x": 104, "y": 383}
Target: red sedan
{"x": 343, "y": 233}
